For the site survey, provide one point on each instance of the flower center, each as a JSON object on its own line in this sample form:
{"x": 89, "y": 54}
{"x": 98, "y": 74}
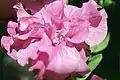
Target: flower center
{"x": 57, "y": 40}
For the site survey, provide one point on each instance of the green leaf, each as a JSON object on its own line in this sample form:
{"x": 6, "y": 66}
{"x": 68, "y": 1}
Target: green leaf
{"x": 94, "y": 61}
{"x": 80, "y": 79}
{"x": 101, "y": 46}
{"x": 106, "y": 3}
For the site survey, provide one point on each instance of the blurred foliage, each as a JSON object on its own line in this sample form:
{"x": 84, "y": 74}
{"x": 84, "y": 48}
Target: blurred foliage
{"x": 13, "y": 70}
{"x": 106, "y": 3}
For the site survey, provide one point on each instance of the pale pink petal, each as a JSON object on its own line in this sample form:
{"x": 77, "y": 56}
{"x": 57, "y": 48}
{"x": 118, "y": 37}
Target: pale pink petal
{"x": 43, "y": 15}
{"x": 70, "y": 10}
{"x": 11, "y": 28}
{"x": 35, "y": 5}
{"x": 20, "y": 10}
{"x": 26, "y": 23}
{"x": 94, "y": 3}
{"x": 68, "y": 60}
{"x": 35, "y": 32}
{"x": 37, "y": 65}
{"x": 23, "y": 55}
{"x": 31, "y": 52}
{"x": 55, "y": 8}
{"x": 24, "y": 36}
{"x": 41, "y": 73}
{"x": 23, "y": 23}
{"x": 56, "y": 11}
{"x": 6, "y": 42}
{"x": 98, "y": 34}
{"x": 46, "y": 45}
{"x": 13, "y": 54}
{"x": 78, "y": 33}
{"x": 90, "y": 12}
{"x": 83, "y": 54}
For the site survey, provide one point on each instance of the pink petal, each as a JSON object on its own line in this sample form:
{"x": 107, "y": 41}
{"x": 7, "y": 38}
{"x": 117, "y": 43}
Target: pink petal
{"x": 43, "y": 15}
{"x": 23, "y": 55}
{"x": 94, "y": 3}
{"x": 68, "y": 60}
{"x": 20, "y": 10}
{"x": 12, "y": 54}
{"x": 56, "y": 11}
{"x": 46, "y": 45}
{"x": 41, "y": 73}
{"x": 38, "y": 65}
{"x": 98, "y": 34}
{"x": 83, "y": 54}
{"x": 23, "y": 23}
{"x": 33, "y": 30}
{"x": 55, "y": 8}
{"x": 90, "y": 12}
{"x": 78, "y": 33}
{"x": 28, "y": 23}
{"x": 23, "y": 37}
{"x": 11, "y": 28}
{"x": 7, "y": 42}
{"x": 69, "y": 10}
{"x": 31, "y": 52}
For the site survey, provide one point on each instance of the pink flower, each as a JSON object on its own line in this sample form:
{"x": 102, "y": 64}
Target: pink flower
{"x": 56, "y": 38}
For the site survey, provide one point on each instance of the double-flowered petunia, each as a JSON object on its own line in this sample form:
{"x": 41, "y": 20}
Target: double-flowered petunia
{"x": 55, "y": 39}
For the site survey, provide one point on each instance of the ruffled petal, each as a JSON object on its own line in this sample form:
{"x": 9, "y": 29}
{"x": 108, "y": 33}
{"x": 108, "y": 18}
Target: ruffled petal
{"x": 98, "y": 34}
{"x": 6, "y": 42}
{"x": 34, "y": 32}
{"x": 46, "y": 46}
{"x": 89, "y": 12}
{"x": 69, "y": 10}
{"x": 78, "y": 33}
{"x": 94, "y": 3}
{"x": 23, "y": 55}
{"x": 56, "y": 11}
{"x": 37, "y": 65}
{"x": 11, "y": 28}
{"x": 20, "y": 11}
{"x": 68, "y": 60}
